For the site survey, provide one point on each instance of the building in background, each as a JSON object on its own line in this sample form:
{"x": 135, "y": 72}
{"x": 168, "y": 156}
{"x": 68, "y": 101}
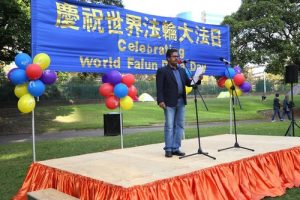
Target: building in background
{"x": 202, "y": 17}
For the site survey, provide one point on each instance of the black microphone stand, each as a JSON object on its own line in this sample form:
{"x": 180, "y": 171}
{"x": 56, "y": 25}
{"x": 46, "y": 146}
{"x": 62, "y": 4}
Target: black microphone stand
{"x": 236, "y": 144}
{"x": 195, "y": 88}
{"x": 293, "y": 123}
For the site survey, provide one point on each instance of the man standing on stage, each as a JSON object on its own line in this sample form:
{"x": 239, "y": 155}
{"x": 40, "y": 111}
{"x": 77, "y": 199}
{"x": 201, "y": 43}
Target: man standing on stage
{"x": 171, "y": 97}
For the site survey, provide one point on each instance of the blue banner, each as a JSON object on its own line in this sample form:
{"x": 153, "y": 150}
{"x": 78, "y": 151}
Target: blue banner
{"x": 87, "y": 37}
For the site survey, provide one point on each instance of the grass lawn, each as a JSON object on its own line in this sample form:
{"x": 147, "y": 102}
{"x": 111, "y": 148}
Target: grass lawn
{"x": 90, "y": 116}
{"x": 16, "y": 158}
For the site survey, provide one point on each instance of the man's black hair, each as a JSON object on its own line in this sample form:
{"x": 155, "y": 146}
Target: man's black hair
{"x": 170, "y": 51}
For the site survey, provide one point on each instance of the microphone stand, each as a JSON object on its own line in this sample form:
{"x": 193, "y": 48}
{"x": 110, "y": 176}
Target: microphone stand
{"x": 195, "y": 88}
{"x": 236, "y": 144}
{"x": 293, "y": 123}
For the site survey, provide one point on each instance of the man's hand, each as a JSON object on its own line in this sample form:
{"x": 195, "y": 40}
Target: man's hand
{"x": 162, "y": 105}
{"x": 201, "y": 77}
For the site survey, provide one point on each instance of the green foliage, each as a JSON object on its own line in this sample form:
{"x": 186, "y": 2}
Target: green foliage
{"x": 14, "y": 28}
{"x": 146, "y": 87}
{"x": 266, "y": 31}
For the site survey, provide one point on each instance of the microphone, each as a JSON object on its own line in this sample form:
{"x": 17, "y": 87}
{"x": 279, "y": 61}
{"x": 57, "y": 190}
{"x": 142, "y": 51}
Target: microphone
{"x": 224, "y": 61}
{"x": 183, "y": 61}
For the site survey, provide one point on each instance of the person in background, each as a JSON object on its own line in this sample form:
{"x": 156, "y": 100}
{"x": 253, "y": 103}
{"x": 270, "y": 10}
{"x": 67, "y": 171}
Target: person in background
{"x": 286, "y": 108}
{"x": 171, "y": 97}
{"x": 276, "y": 108}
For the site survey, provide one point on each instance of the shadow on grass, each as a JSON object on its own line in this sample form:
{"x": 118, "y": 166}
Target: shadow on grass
{"x": 14, "y": 122}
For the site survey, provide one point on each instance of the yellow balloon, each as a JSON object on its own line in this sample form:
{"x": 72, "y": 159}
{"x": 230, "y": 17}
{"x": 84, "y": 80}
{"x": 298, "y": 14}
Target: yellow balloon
{"x": 188, "y": 89}
{"x": 126, "y": 103}
{"x": 21, "y": 90}
{"x": 42, "y": 59}
{"x": 26, "y": 103}
{"x": 238, "y": 92}
{"x": 228, "y": 84}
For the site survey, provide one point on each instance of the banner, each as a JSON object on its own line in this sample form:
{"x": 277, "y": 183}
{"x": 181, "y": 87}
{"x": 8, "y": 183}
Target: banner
{"x": 89, "y": 37}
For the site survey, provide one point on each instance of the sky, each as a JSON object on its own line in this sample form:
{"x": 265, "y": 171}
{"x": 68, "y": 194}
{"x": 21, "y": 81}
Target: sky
{"x": 215, "y": 9}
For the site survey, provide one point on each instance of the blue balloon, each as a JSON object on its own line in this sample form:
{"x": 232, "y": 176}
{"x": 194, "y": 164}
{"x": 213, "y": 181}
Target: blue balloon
{"x": 36, "y": 88}
{"x": 230, "y": 73}
{"x": 120, "y": 90}
{"x": 17, "y": 76}
{"x": 22, "y": 60}
{"x": 9, "y": 73}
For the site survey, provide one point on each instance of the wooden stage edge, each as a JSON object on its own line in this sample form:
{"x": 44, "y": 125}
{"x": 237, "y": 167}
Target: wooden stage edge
{"x": 144, "y": 164}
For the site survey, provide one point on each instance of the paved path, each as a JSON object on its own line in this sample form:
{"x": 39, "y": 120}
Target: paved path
{"x": 6, "y": 139}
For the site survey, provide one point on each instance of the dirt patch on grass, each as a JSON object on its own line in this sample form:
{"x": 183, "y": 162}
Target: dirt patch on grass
{"x": 267, "y": 114}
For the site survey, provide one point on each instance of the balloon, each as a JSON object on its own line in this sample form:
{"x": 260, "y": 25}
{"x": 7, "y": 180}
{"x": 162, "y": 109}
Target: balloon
{"x": 237, "y": 69}
{"x": 22, "y": 60}
{"x": 229, "y": 72}
{"x": 188, "y": 89}
{"x": 120, "y": 90}
{"x": 238, "y": 79}
{"x": 36, "y": 88}
{"x": 126, "y": 103}
{"x": 34, "y": 71}
{"x": 246, "y": 87}
{"x": 105, "y": 78}
{"x": 135, "y": 98}
{"x": 18, "y": 76}
{"x": 112, "y": 102}
{"x": 21, "y": 90}
{"x": 106, "y": 90}
{"x": 228, "y": 84}
{"x": 48, "y": 77}
{"x": 42, "y": 59}
{"x": 128, "y": 80}
{"x": 221, "y": 81}
{"x": 9, "y": 73}
{"x": 132, "y": 91}
{"x": 26, "y": 103}
{"x": 237, "y": 91}
{"x": 114, "y": 77}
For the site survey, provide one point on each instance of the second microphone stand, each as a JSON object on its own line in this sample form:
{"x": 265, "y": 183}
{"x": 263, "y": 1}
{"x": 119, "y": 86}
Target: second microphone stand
{"x": 233, "y": 91}
{"x": 195, "y": 88}
{"x": 293, "y": 122}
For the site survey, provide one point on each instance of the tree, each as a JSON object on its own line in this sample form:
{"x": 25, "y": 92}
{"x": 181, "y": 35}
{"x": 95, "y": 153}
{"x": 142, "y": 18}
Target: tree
{"x": 266, "y": 32}
{"x": 14, "y": 28}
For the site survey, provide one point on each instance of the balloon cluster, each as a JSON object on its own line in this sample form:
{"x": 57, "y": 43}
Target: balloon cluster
{"x": 234, "y": 76}
{"x": 118, "y": 90}
{"x": 30, "y": 78}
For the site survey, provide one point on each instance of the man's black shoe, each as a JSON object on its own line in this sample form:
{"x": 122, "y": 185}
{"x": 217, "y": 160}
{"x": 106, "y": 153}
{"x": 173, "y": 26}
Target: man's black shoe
{"x": 168, "y": 154}
{"x": 178, "y": 153}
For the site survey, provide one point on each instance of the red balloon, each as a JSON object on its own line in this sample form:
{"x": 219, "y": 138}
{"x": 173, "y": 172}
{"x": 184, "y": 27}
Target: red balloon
{"x": 238, "y": 79}
{"x": 132, "y": 91}
{"x": 106, "y": 90}
{"x": 135, "y": 98}
{"x": 128, "y": 79}
{"x": 34, "y": 71}
{"x": 221, "y": 81}
{"x": 112, "y": 102}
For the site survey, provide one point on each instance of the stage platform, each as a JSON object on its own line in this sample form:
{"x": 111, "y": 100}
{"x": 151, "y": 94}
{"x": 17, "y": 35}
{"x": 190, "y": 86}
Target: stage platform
{"x": 144, "y": 173}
